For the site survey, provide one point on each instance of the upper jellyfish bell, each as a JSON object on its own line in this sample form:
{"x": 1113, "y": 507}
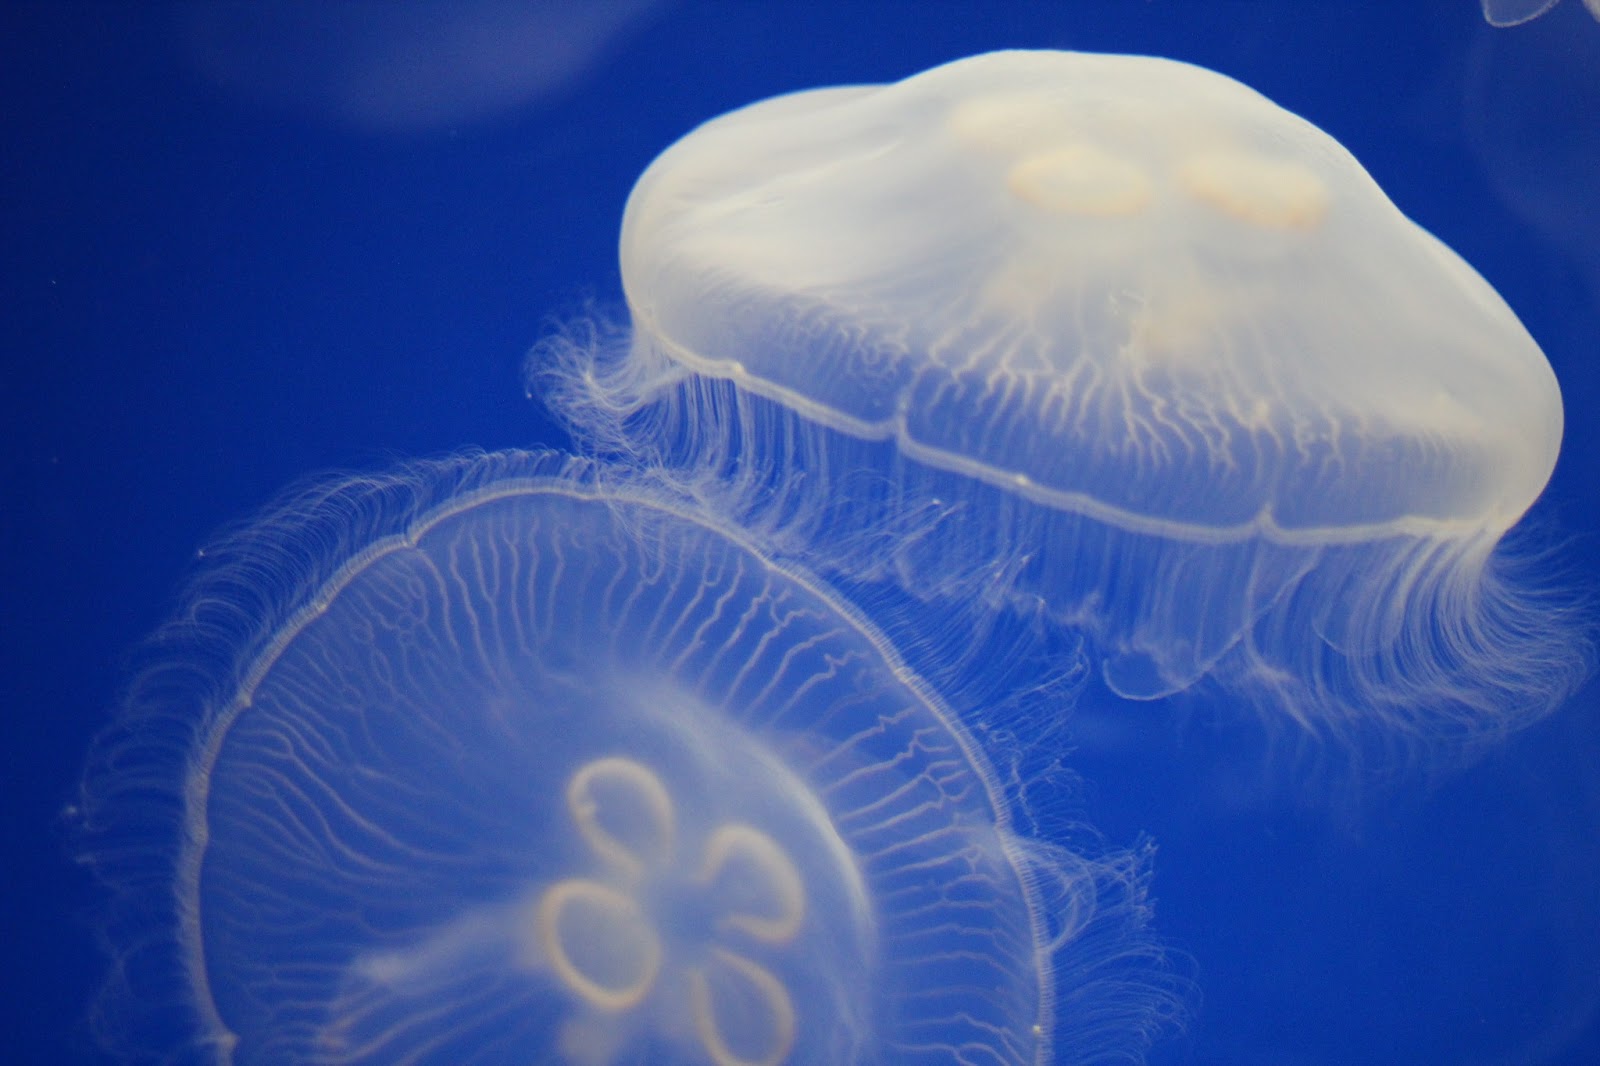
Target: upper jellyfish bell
{"x": 1112, "y": 339}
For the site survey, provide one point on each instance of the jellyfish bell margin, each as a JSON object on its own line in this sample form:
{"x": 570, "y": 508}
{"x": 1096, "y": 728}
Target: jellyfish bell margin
{"x": 517, "y": 756}
{"x": 1117, "y": 342}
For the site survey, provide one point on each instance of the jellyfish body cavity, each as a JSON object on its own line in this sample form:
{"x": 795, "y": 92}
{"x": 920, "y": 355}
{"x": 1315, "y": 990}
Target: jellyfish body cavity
{"x": 1111, "y": 338}
{"x": 548, "y": 769}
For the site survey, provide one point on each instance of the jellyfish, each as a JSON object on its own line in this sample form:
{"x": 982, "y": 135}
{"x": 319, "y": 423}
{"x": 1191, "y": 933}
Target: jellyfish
{"x": 1504, "y": 13}
{"x": 1110, "y": 341}
{"x": 511, "y": 758}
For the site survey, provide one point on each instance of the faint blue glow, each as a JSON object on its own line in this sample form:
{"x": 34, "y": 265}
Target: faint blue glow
{"x": 409, "y": 65}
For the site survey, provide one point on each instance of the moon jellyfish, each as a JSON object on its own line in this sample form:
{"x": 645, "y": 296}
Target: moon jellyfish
{"x": 510, "y": 759}
{"x": 1503, "y": 13}
{"x": 1114, "y": 341}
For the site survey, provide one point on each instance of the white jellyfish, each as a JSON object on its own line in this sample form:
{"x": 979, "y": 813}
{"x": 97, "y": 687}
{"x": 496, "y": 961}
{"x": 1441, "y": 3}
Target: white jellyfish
{"x": 1504, "y": 13}
{"x": 1112, "y": 341}
{"x": 508, "y": 759}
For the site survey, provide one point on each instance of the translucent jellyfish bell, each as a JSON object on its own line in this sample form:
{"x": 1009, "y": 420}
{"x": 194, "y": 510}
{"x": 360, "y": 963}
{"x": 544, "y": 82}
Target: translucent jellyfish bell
{"x": 1113, "y": 338}
{"x": 534, "y": 766}
{"x": 1504, "y": 13}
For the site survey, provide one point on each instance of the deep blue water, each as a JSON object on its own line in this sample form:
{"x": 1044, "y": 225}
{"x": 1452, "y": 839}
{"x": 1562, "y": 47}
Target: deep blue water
{"x": 222, "y": 276}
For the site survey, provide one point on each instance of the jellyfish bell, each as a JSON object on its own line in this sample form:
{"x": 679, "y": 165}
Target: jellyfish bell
{"x": 1504, "y": 13}
{"x": 1114, "y": 339}
{"x": 510, "y": 758}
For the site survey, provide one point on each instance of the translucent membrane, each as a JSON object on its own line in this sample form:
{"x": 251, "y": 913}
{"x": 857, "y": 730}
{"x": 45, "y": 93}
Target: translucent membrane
{"x": 1115, "y": 340}
{"x": 1504, "y": 13}
{"x": 512, "y": 761}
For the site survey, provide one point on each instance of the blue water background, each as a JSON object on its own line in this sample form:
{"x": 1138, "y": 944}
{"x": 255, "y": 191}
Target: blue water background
{"x": 219, "y": 279}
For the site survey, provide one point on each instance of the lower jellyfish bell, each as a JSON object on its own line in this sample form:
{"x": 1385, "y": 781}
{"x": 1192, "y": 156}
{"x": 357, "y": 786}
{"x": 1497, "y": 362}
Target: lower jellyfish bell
{"x": 537, "y": 765}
